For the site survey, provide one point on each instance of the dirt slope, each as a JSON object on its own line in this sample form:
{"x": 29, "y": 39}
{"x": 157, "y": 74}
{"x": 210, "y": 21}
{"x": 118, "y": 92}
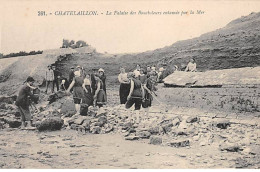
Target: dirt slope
{"x": 234, "y": 46}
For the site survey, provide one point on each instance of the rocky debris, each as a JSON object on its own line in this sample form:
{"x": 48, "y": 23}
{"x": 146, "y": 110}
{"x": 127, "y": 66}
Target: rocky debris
{"x": 155, "y": 140}
{"x": 180, "y": 143}
{"x": 241, "y": 163}
{"x": 55, "y": 96}
{"x": 192, "y": 119}
{"x": 132, "y": 137}
{"x": 230, "y": 147}
{"x": 154, "y": 130}
{"x": 68, "y": 108}
{"x": 143, "y": 134}
{"x": 50, "y": 124}
{"x": 8, "y": 99}
{"x": 223, "y": 124}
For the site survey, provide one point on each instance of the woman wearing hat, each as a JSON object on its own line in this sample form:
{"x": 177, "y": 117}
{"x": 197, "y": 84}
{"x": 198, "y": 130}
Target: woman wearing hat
{"x": 102, "y": 76}
{"x": 124, "y": 86}
{"x": 136, "y": 94}
{"x": 78, "y": 90}
{"x": 100, "y": 97}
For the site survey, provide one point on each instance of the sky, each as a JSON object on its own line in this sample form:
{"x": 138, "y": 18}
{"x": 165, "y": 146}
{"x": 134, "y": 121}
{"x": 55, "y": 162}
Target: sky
{"x": 23, "y": 30}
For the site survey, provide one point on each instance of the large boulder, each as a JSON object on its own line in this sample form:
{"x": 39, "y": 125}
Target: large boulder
{"x": 13, "y": 122}
{"x": 222, "y": 123}
{"x": 50, "y": 124}
{"x": 180, "y": 143}
{"x": 68, "y": 107}
{"x": 230, "y": 147}
{"x": 8, "y": 99}
{"x": 155, "y": 140}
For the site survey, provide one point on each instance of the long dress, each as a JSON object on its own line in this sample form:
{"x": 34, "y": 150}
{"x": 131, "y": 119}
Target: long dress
{"x": 88, "y": 97}
{"x": 101, "y": 95}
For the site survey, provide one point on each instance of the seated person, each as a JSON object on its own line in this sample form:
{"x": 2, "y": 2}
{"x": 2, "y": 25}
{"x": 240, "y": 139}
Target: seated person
{"x": 191, "y": 67}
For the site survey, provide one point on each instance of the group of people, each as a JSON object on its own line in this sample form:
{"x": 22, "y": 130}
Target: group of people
{"x": 88, "y": 89}
{"x": 136, "y": 88}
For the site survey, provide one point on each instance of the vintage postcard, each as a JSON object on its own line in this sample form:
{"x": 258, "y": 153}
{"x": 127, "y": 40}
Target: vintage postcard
{"x": 129, "y": 84}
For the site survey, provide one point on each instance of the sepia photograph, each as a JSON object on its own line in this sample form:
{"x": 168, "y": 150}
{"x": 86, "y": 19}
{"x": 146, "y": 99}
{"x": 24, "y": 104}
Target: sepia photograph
{"x": 129, "y": 84}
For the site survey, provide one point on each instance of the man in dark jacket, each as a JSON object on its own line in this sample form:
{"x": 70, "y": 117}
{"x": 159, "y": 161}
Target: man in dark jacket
{"x": 23, "y": 102}
{"x": 57, "y": 76}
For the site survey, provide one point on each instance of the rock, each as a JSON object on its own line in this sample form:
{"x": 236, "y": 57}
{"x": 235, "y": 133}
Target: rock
{"x": 192, "y": 119}
{"x": 203, "y": 143}
{"x": 176, "y": 122}
{"x": 241, "y": 163}
{"x": 95, "y": 130}
{"x": 198, "y": 155}
{"x": 180, "y": 143}
{"x": 3, "y": 106}
{"x": 50, "y": 124}
{"x": 68, "y": 107}
{"x": 8, "y": 99}
{"x": 223, "y": 124}
{"x": 144, "y": 134}
{"x": 108, "y": 128}
{"x": 101, "y": 112}
{"x": 155, "y": 140}
{"x": 154, "y": 130}
{"x": 102, "y": 120}
{"x": 79, "y": 120}
{"x": 230, "y": 147}
{"x": 132, "y": 137}
{"x": 127, "y": 126}
{"x": 87, "y": 124}
{"x": 13, "y": 122}
{"x": 92, "y": 111}
{"x": 166, "y": 125}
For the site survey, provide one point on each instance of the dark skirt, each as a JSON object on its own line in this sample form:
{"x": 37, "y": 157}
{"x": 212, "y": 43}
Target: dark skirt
{"x": 88, "y": 97}
{"x": 123, "y": 92}
{"x": 148, "y": 98}
{"x": 101, "y": 97}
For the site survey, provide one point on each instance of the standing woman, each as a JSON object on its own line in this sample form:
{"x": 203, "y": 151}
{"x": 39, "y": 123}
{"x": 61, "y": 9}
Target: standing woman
{"x": 49, "y": 78}
{"x": 124, "y": 86}
{"x": 148, "y": 98}
{"x": 103, "y": 77}
{"x": 78, "y": 90}
{"x": 88, "y": 97}
{"x": 135, "y": 95}
{"x": 100, "y": 97}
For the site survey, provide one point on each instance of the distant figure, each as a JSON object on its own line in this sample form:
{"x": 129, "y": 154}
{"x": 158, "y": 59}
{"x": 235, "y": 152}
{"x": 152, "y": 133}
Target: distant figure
{"x": 23, "y": 102}
{"x": 57, "y": 76}
{"x": 64, "y": 84}
{"x": 148, "y": 98}
{"x": 71, "y": 74}
{"x": 160, "y": 74}
{"x": 148, "y": 69}
{"x": 137, "y": 71}
{"x": 191, "y": 67}
{"x": 142, "y": 76}
{"x": 102, "y": 76}
{"x": 49, "y": 77}
{"x": 124, "y": 86}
